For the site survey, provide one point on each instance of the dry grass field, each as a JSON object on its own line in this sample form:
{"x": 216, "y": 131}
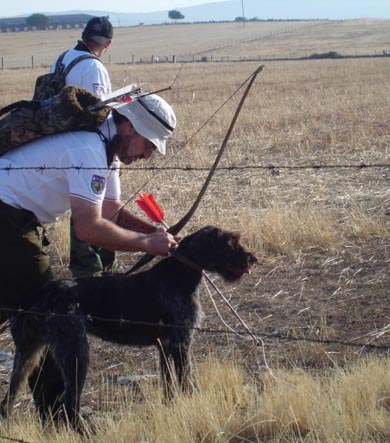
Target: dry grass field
{"x": 318, "y": 220}
{"x": 257, "y": 39}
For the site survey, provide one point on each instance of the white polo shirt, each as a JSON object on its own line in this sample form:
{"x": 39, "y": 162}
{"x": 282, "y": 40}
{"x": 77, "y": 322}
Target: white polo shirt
{"x": 89, "y": 74}
{"x": 58, "y": 166}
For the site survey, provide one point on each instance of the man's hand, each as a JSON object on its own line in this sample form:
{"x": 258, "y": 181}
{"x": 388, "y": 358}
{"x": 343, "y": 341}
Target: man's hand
{"x": 90, "y": 227}
{"x": 160, "y": 242}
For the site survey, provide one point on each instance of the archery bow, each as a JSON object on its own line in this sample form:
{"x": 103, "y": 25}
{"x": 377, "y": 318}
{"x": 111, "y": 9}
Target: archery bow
{"x": 175, "y": 229}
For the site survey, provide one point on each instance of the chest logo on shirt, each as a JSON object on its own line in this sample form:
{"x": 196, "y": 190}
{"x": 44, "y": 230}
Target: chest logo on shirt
{"x": 98, "y": 89}
{"x": 98, "y": 184}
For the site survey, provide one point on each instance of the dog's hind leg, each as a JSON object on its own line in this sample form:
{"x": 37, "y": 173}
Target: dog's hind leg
{"x": 72, "y": 356}
{"x": 27, "y": 356}
{"x": 47, "y": 386}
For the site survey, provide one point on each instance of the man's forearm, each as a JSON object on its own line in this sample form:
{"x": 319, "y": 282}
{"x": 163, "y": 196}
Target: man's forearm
{"x": 128, "y": 220}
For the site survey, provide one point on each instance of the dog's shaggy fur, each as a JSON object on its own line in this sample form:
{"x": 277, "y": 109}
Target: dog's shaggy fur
{"x": 156, "y": 307}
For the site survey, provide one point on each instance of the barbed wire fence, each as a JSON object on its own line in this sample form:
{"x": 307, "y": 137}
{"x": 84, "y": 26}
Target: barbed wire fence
{"x": 275, "y": 335}
{"x": 269, "y": 167}
{"x": 196, "y": 57}
{"x": 207, "y": 54}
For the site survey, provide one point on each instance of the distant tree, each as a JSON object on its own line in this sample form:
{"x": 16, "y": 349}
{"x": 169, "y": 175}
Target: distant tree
{"x": 330, "y": 54}
{"x": 40, "y": 21}
{"x": 240, "y": 19}
{"x": 175, "y": 15}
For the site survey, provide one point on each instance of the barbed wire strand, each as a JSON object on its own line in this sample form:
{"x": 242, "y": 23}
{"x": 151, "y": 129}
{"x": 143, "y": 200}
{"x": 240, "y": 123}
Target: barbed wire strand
{"x": 277, "y": 335}
{"x": 271, "y": 168}
{"x": 260, "y": 342}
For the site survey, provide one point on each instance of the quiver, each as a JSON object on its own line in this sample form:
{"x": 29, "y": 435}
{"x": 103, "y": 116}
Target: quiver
{"x": 72, "y": 109}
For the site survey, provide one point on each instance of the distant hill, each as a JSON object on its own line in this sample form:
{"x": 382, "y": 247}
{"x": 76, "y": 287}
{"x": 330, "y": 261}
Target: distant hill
{"x": 275, "y": 9}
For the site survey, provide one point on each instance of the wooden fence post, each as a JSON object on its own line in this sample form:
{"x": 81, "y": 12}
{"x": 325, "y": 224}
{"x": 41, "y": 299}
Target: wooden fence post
{"x": 32, "y": 62}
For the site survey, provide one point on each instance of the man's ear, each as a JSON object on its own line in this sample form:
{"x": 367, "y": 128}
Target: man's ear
{"x": 124, "y": 127}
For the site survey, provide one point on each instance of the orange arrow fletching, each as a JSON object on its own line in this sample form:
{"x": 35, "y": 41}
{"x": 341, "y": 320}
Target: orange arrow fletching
{"x": 149, "y": 206}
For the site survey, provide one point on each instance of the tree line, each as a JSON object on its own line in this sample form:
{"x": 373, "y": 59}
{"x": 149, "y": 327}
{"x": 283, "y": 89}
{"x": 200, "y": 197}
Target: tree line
{"x": 41, "y": 21}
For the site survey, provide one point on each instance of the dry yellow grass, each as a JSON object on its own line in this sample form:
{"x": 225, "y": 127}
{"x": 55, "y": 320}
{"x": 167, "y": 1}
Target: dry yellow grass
{"x": 261, "y": 39}
{"x": 332, "y": 114}
{"x": 309, "y": 113}
{"x": 324, "y": 113}
{"x": 346, "y": 405}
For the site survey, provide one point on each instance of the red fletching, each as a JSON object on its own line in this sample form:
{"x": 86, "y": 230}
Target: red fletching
{"x": 149, "y": 206}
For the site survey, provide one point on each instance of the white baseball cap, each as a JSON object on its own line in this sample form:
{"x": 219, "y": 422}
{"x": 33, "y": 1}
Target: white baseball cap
{"x": 152, "y": 117}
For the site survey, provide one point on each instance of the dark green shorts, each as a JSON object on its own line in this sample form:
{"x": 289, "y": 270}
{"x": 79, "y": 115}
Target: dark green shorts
{"x": 24, "y": 263}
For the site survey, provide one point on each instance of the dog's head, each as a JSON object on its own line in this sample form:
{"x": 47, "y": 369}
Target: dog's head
{"x": 220, "y": 251}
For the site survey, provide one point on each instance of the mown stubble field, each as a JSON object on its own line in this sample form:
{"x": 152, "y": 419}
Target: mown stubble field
{"x": 318, "y": 220}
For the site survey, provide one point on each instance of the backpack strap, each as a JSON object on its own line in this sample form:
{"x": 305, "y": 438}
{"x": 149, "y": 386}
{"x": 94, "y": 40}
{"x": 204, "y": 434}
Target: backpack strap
{"x": 59, "y": 65}
{"x": 18, "y": 105}
{"x": 77, "y": 60}
{"x": 109, "y": 151}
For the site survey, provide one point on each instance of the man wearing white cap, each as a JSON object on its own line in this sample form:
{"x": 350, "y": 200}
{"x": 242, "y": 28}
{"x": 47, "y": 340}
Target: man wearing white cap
{"x": 80, "y": 173}
{"x": 77, "y": 171}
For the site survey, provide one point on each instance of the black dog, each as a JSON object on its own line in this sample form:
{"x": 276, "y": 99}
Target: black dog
{"x": 156, "y": 307}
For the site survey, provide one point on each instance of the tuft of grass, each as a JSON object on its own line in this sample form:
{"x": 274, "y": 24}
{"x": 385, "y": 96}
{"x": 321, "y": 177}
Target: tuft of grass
{"x": 347, "y": 404}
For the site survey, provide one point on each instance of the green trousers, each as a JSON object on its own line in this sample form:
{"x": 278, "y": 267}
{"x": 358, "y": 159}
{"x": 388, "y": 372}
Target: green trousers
{"x": 24, "y": 264}
{"x": 88, "y": 260}
{"x": 24, "y": 268}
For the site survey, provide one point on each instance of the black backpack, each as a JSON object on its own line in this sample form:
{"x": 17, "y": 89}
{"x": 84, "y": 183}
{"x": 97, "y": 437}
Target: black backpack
{"x": 49, "y": 85}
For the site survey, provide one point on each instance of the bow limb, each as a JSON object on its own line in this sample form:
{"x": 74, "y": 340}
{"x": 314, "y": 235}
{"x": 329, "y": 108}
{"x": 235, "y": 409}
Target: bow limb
{"x": 175, "y": 229}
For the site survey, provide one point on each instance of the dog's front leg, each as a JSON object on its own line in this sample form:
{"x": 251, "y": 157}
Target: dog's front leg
{"x": 175, "y": 364}
{"x": 167, "y": 369}
{"x": 183, "y": 368}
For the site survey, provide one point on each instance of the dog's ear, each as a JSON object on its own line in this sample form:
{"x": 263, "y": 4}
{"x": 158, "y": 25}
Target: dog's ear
{"x": 235, "y": 236}
{"x": 232, "y": 237}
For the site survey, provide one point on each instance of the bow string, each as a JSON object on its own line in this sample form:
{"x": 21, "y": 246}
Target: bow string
{"x": 176, "y": 228}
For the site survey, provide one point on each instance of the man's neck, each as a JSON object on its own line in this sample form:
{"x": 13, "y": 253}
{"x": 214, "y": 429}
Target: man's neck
{"x": 85, "y": 47}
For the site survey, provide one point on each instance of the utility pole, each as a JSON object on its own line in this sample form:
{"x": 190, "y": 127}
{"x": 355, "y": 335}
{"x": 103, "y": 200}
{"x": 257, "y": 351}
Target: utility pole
{"x": 243, "y": 14}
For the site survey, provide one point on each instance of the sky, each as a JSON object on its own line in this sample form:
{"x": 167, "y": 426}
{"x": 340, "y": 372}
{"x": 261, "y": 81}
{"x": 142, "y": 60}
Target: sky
{"x": 293, "y": 9}
{"x": 20, "y": 7}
